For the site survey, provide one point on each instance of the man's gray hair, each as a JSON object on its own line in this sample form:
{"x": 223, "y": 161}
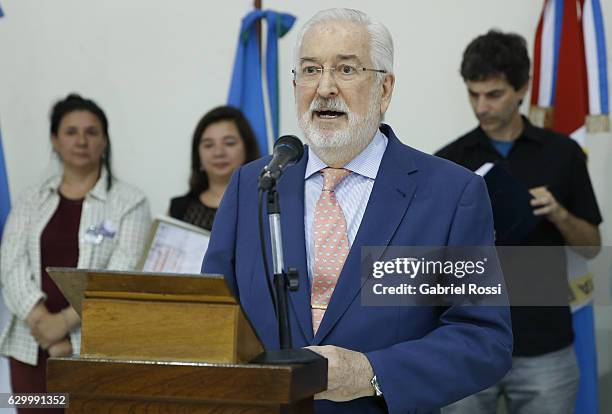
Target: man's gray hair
{"x": 381, "y": 43}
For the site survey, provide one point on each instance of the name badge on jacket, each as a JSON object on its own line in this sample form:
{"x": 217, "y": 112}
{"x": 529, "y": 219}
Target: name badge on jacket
{"x": 96, "y": 234}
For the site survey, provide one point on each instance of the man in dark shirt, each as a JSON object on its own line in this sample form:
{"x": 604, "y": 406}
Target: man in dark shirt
{"x": 544, "y": 377}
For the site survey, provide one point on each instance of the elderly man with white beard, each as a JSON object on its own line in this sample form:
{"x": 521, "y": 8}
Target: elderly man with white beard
{"x": 358, "y": 186}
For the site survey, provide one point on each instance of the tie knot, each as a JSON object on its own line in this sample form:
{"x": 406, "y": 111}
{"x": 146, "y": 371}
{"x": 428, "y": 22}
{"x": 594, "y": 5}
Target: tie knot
{"x": 332, "y": 176}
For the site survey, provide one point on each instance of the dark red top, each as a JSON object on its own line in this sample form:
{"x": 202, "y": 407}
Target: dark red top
{"x": 59, "y": 247}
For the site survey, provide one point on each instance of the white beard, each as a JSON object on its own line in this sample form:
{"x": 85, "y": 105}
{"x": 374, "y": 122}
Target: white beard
{"x": 338, "y": 147}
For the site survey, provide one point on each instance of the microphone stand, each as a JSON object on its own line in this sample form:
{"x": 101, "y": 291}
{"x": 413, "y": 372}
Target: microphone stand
{"x": 283, "y": 282}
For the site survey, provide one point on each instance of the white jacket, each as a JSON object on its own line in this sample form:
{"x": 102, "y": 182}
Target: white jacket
{"x": 123, "y": 208}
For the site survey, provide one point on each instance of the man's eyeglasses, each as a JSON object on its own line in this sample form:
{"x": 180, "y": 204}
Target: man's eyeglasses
{"x": 311, "y": 75}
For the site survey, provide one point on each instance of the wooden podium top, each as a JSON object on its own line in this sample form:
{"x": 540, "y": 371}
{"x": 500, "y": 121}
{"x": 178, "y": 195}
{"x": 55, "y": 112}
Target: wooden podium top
{"x": 157, "y": 316}
{"x": 75, "y": 284}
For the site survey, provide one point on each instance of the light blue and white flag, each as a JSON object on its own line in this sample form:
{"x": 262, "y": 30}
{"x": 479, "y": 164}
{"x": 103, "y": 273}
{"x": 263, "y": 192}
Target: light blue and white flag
{"x": 246, "y": 88}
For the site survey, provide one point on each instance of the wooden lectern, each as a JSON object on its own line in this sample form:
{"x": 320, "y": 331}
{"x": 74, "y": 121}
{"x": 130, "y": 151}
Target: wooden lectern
{"x": 161, "y": 343}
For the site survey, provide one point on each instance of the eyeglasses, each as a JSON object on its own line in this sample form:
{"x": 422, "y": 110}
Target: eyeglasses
{"x": 311, "y": 75}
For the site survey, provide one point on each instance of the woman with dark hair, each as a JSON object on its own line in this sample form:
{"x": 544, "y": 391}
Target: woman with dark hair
{"x": 222, "y": 141}
{"x": 79, "y": 216}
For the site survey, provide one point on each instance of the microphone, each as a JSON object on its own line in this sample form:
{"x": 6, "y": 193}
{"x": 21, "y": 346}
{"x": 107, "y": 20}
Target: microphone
{"x": 288, "y": 150}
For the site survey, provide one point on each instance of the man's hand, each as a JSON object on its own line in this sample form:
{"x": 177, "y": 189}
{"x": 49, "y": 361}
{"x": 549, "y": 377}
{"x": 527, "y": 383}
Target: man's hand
{"x": 49, "y": 329}
{"x": 348, "y": 374}
{"x": 547, "y": 205}
{"x": 582, "y": 236}
{"x": 61, "y": 348}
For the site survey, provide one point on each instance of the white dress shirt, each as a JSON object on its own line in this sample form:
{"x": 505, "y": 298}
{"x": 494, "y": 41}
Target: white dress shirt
{"x": 352, "y": 193}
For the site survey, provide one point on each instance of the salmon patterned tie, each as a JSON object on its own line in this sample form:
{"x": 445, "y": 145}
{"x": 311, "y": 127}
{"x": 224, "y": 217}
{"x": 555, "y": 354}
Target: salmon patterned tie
{"x": 331, "y": 244}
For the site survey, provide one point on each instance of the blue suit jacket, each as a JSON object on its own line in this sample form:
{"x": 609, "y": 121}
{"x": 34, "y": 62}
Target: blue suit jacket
{"x": 423, "y": 357}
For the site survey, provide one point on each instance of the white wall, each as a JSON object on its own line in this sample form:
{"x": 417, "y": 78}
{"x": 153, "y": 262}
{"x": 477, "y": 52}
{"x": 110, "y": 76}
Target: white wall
{"x": 156, "y": 66}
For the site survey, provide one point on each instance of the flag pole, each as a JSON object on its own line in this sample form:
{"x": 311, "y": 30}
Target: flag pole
{"x": 258, "y": 6}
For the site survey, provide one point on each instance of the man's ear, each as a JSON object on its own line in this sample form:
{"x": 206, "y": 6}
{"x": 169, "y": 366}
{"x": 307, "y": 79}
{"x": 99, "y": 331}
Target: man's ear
{"x": 387, "y": 91}
{"x": 523, "y": 90}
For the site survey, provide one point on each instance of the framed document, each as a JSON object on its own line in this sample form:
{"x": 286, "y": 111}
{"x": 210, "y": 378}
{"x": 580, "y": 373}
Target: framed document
{"x": 174, "y": 247}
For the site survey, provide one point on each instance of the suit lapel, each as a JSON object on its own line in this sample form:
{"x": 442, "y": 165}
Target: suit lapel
{"x": 291, "y": 191}
{"x": 391, "y": 195}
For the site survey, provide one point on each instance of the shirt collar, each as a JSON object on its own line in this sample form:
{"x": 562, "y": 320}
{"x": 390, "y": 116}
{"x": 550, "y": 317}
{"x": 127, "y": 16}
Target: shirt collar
{"x": 54, "y": 180}
{"x": 365, "y": 164}
{"x": 529, "y": 132}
